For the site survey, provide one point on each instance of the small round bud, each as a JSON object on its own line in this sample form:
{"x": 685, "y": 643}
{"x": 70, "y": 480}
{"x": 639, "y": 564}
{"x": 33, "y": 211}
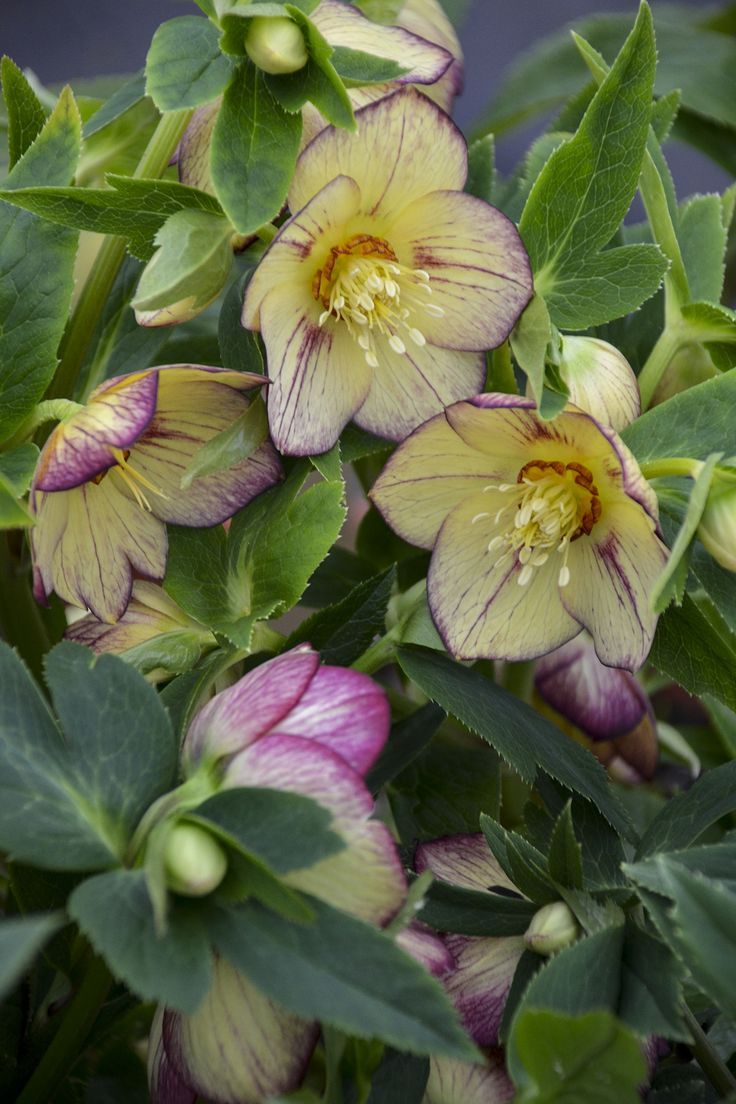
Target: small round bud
{"x": 195, "y": 863}
{"x": 552, "y": 929}
{"x": 275, "y": 44}
{"x": 717, "y": 530}
{"x": 600, "y": 380}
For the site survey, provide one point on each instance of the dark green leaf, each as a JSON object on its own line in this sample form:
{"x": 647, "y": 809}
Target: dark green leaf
{"x": 21, "y": 938}
{"x": 128, "y": 95}
{"x": 687, "y": 815}
{"x": 185, "y": 67}
{"x": 688, "y": 649}
{"x": 524, "y": 865}
{"x": 400, "y": 1079}
{"x": 336, "y": 576}
{"x": 694, "y": 423}
{"x": 342, "y": 972}
{"x": 407, "y": 740}
{"x": 115, "y": 912}
{"x": 240, "y": 349}
{"x": 650, "y": 1001}
{"x": 529, "y": 341}
{"x": 445, "y": 790}
{"x": 565, "y": 853}
{"x": 452, "y": 908}
{"x": 254, "y": 148}
{"x": 26, "y": 115}
{"x": 341, "y": 632}
{"x": 521, "y": 736}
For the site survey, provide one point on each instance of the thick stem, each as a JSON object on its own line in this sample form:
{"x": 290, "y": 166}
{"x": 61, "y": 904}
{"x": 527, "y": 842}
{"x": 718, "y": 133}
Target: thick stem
{"x": 714, "y": 1068}
{"x": 671, "y": 465}
{"x": 376, "y": 656}
{"x": 71, "y": 1036}
{"x": 21, "y": 620}
{"x": 86, "y": 314}
{"x": 657, "y": 362}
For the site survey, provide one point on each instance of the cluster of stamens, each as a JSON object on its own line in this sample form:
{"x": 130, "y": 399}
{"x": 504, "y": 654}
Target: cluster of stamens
{"x": 363, "y": 285}
{"x": 134, "y": 480}
{"x": 553, "y": 505}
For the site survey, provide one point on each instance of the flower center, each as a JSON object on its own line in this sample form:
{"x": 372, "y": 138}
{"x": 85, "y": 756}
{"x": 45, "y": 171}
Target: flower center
{"x": 553, "y": 504}
{"x": 363, "y": 285}
{"x": 134, "y": 480}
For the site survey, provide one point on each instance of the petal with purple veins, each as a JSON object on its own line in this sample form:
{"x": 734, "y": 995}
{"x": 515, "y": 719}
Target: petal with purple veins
{"x": 480, "y": 982}
{"x": 454, "y": 1082}
{"x": 462, "y": 860}
{"x": 426, "y": 948}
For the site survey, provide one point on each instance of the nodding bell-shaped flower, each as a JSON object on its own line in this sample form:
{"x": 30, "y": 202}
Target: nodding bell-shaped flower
{"x": 552, "y": 929}
{"x": 377, "y": 299}
{"x": 537, "y": 529}
{"x": 604, "y": 707}
{"x": 717, "y": 529}
{"x": 600, "y": 380}
{"x": 275, "y": 44}
{"x": 109, "y": 479}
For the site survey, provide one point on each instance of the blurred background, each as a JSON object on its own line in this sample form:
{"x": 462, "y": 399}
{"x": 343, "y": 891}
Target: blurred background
{"x": 65, "y": 39}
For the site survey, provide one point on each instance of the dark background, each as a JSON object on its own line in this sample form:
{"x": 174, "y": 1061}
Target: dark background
{"x": 63, "y": 39}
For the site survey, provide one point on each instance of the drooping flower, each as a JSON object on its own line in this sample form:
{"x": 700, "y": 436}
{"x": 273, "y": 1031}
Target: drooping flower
{"x": 292, "y": 725}
{"x": 600, "y": 380}
{"x": 377, "y": 298}
{"x": 538, "y": 529}
{"x": 108, "y": 479}
{"x": 604, "y": 706}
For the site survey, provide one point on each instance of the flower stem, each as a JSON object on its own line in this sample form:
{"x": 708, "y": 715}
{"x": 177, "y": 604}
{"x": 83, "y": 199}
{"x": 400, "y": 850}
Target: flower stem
{"x": 86, "y": 314}
{"x": 73, "y": 1031}
{"x": 671, "y": 465}
{"x": 657, "y": 362}
{"x": 714, "y": 1068}
{"x": 376, "y": 656}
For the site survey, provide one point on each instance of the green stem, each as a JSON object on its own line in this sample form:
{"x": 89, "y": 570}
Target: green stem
{"x": 86, "y": 314}
{"x": 671, "y": 465}
{"x": 46, "y": 411}
{"x": 69, "y": 1039}
{"x": 714, "y": 1068}
{"x": 21, "y": 620}
{"x": 657, "y": 362}
{"x": 501, "y": 376}
{"x": 376, "y": 656}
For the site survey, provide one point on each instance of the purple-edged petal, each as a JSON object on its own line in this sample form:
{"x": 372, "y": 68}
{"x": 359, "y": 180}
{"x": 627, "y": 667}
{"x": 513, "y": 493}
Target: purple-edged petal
{"x": 409, "y": 388}
{"x": 480, "y": 982}
{"x": 424, "y": 61}
{"x": 428, "y": 19}
{"x": 462, "y": 860}
{"x": 164, "y": 1082}
{"x": 193, "y": 154}
{"x": 255, "y": 704}
{"x": 428, "y": 476}
{"x": 82, "y": 447}
{"x": 478, "y": 269}
{"x": 600, "y": 380}
{"x": 604, "y": 702}
{"x": 87, "y": 543}
{"x": 189, "y": 413}
{"x": 475, "y": 598}
{"x": 427, "y": 948}
{"x": 611, "y": 578}
{"x": 344, "y": 710}
{"x": 405, "y": 147}
{"x": 150, "y": 613}
{"x": 454, "y": 1082}
{"x": 239, "y": 1047}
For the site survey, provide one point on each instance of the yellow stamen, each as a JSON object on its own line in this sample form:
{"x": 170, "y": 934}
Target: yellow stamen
{"x": 134, "y": 480}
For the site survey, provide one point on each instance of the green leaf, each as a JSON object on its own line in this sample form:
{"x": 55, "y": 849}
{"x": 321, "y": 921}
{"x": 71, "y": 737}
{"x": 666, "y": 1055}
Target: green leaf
{"x": 687, "y": 815}
{"x": 36, "y": 270}
{"x": 689, "y": 649}
{"x": 589, "y": 1058}
{"x": 664, "y": 113}
{"x": 254, "y": 149}
{"x": 342, "y": 972}
{"x": 523, "y": 863}
{"x": 286, "y": 831}
{"x": 407, "y": 740}
{"x": 21, "y": 938}
{"x": 26, "y": 116}
{"x": 400, "y": 1079}
{"x": 529, "y": 341}
{"x": 115, "y": 912}
{"x": 16, "y": 471}
{"x": 329, "y": 464}
{"x": 606, "y": 286}
{"x": 444, "y": 791}
{"x": 317, "y": 81}
{"x": 184, "y": 66}
{"x": 524, "y": 739}
{"x": 127, "y": 96}
{"x": 694, "y": 423}
{"x": 235, "y": 444}
{"x": 193, "y": 258}
{"x": 451, "y": 908}
{"x": 355, "y": 67}
{"x": 703, "y": 238}
{"x": 565, "y": 853}
{"x": 240, "y": 349}
{"x": 650, "y": 1000}
{"x": 343, "y": 631}
{"x": 481, "y": 168}
{"x": 586, "y": 186}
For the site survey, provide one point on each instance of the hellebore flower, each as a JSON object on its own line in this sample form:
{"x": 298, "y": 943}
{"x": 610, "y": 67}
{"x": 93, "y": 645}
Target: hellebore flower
{"x": 600, "y": 380}
{"x": 376, "y": 299}
{"x": 154, "y": 633}
{"x": 293, "y": 725}
{"x": 605, "y": 707}
{"x": 538, "y": 529}
{"x": 108, "y": 479}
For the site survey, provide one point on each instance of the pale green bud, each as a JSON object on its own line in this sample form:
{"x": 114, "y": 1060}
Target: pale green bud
{"x": 194, "y": 861}
{"x": 275, "y": 44}
{"x": 717, "y": 530}
{"x": 600, "y": 380}
{"x": 552, "y": 929}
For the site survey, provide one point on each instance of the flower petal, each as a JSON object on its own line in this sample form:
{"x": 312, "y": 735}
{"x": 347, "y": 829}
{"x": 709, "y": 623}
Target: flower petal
{"x": 462, "y": 860}
{"x": 301, "y": 247}
{"x": 164, "y": 1083}
{"x": 239, "y": 1047}
{"x": 427, "y": 18}
{"x": 409, "y": 388}
{"x": 477, "y": 604}
{"x": 428, "y": 476}
{"x": 80, "y": 448}
{"x": 88, "y": 541}
{"x": 424, "y": 61}
{"x": 193, "y": 154}
{"x": 426, "y": 948}
{"x": 345, "y": 711}
{"x": 405, "y": 147}
{"x": 604, "y": 702}
{"x": 189, "y": 413}
{"x": 480, "y": 982}
{"x": 612, "y": 574}
{"x": 478, "y": 268}
{"x": 253, "y": 706}
{"x": 454, "y": 1082}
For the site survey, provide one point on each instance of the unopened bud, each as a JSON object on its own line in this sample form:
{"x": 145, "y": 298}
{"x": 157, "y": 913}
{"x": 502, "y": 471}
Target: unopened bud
{"x": 175, "y": 313}
{"x": 195, "y": 863}
{"x": 275, "y": 44}
{"x": 717, "y": 530}
{"x": 552, "y": 929}
{"x": 600, "y": 380}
